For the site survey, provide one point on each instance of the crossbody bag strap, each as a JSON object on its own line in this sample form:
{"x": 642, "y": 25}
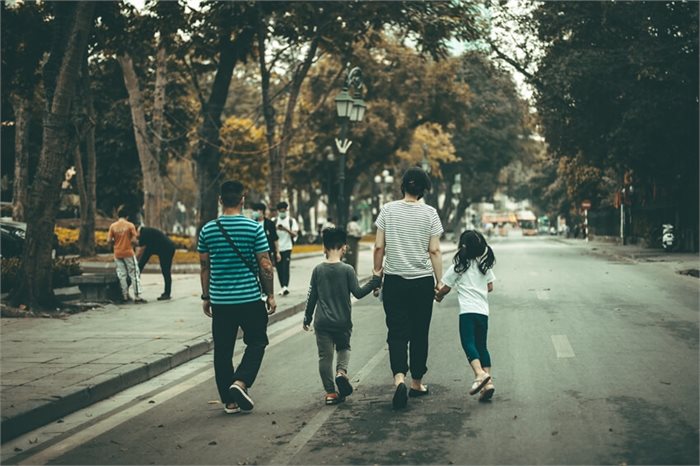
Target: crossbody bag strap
{"x": 250, "y": 266}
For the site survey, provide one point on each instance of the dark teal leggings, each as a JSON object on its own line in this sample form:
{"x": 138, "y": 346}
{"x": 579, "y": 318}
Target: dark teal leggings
{"x": 473, "y": 329}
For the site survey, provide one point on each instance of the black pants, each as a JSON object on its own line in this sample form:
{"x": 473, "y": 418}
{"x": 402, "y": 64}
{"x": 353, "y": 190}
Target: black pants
{"x": 283, "y": 267}
{"x": 166, "y": 265}
{"x": 227, "y": 319}
{"x": 408, "y": 305}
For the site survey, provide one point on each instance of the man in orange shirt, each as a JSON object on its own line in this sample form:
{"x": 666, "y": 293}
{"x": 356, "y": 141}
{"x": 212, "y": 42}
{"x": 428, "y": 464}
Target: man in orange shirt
{"x": 123, "y": 234}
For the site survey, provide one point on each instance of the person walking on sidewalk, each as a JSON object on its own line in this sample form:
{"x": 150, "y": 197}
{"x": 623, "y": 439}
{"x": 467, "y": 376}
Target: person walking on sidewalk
{"x": 332, "y": 282}
{"x": 408, "y": 244}
{"x": 270, "y": 228}
{"x": 472, "y": 274}
{"x": 123, "y": 234}
{"x": 233, "y": 255}
{"x": 287, "y": 230}
{"x": 153, "y": 241}
{"x": 354, "y": 236}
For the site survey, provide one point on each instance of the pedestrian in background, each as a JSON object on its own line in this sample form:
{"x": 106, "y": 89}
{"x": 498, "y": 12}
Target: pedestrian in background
{"x": 472, "y": 274}
{"x": 354, "y": 237}
{"x": 233, "y": 255}
{"x": 259, "y": 210}
{"x": 122, "y": 234}
{"x": 152, "y": 241}
{"x": 408, "y": 244}
{"x": 332, "y": 282}
{"x": 287, "y": 231}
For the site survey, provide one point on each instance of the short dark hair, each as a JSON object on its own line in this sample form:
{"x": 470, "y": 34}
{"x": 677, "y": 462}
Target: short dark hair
{"x": 282, "y": 205}
{"x": 123, "y": 211}
{"x": 231, "y": 193}
{"x": 259, "y": 206}
{"x": 415, "y": 182}
{"x": 334, "y": 238}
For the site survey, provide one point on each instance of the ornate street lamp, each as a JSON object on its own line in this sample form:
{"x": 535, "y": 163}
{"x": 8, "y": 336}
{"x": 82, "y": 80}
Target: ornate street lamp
{"x": 349, "y": 108}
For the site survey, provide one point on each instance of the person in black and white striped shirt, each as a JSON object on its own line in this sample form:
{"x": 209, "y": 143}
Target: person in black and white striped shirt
{"x": 407, "y": 246}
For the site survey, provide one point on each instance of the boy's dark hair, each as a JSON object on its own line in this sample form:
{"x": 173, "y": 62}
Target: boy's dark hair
{"x": 473, "y": 246}
{"x": 415, "y": 182}
{"x": 231, "y": 193}
{"x": 122, "y": 212}
{"x": 259, "y": 206}
{"x": 282, "y": 205}
{"x": 334, "y": 238}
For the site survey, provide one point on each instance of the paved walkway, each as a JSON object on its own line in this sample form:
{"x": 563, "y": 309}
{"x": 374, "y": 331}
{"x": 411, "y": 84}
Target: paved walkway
{"x": 52, "y": 367}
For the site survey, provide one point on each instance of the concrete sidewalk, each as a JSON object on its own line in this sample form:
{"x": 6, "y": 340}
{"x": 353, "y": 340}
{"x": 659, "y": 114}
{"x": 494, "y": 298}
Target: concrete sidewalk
{"x": 52, "y": 367}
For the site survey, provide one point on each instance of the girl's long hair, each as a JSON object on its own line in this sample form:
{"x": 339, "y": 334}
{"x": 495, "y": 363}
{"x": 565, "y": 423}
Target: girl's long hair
{"x": 473, "y": 247}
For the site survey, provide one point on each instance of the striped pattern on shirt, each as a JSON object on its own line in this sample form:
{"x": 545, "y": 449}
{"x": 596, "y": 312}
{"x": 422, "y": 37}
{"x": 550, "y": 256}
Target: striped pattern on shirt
{"x": 407, "y": 230}
{"x": 230, "y": 279}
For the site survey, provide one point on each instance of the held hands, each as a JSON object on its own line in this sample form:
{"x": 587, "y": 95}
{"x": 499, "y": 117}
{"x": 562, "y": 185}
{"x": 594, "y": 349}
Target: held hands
{"x": 379, "y": 272}
{"x": 270, "y": 304}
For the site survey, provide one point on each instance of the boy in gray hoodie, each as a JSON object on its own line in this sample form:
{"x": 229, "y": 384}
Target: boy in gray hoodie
{"x": 332, "y": 281}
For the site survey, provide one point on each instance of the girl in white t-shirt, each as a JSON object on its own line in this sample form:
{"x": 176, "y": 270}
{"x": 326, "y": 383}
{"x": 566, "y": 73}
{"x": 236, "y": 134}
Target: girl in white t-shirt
{"x": 472, "y": 275}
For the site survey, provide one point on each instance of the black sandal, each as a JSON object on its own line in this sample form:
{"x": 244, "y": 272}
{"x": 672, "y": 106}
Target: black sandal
{"x": 413, "y": 393}
{"x": 400, "y": 397}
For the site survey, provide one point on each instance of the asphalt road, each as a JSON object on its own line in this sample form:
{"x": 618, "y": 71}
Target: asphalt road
{"x": 595, "y": 362}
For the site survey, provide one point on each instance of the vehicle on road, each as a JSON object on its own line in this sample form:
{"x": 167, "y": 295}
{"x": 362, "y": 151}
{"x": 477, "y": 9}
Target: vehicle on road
{"x": 527, "y": 222}
{"x": 12, "y": 236}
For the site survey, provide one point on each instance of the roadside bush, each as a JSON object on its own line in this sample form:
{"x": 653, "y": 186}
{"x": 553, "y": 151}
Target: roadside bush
{"x": 62, "y": 268}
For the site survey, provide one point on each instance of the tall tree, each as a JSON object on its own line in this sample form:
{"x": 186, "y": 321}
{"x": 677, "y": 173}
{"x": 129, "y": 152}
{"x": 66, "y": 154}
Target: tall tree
{"x": 35, "y": 281}
{"x": 620, "y": 91}
{"x": 24, "y": 42}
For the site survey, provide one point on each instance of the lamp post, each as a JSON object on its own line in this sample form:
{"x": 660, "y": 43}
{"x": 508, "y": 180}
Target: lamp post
{"x": 383, "y": 181}
{"x": 349, "y": 108}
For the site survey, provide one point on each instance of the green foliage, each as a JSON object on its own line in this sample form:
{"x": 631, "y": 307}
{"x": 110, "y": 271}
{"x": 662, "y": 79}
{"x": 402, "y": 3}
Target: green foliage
{"x": 495, "y": 129}
{"x": 244, "y": 155}
{"x": 619, "y": 86}
{"x": 62, "y": 268}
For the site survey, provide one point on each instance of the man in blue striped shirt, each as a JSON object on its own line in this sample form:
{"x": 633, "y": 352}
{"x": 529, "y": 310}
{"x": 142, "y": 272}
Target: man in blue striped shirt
{"x": 233, "y": 255}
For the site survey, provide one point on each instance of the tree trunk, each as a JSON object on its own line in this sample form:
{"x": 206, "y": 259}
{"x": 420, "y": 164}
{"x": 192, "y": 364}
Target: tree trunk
{"x": 277, "y": 162}
{"x": 86, "y": 179}
{"x": 208, "y": 154}
{"x": 152, "y": 182}
{"x": 268, "y": 111}
{"x": 23, "y": 115}
{"x": 35, "y": 287}
{"x": 158, "y": 109}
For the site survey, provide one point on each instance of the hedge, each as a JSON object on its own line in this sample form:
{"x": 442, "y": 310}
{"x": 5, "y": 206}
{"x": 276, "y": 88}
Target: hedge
{"x": 63, "y": 269}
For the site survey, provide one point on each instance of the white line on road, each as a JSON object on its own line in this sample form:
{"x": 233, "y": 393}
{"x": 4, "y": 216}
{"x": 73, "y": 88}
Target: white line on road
{"x": 543, "y": 295}
{"x": 562, "y": 346}
{"x": 112, "y": 421}
{"x": 289, "y": 451}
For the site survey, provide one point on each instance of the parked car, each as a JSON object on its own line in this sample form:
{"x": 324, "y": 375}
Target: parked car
{"x": 12, "y": 237}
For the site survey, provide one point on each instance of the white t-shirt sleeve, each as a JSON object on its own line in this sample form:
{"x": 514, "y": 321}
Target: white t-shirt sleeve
{"x": 381, "y": 219}
{"x": 435, "y": 224}
{"x": 490, "y": 276}
{"x": 450, "y": 277}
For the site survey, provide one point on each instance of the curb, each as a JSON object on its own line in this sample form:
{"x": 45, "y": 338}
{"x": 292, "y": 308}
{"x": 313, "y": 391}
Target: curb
{"x": 105, "y": 385}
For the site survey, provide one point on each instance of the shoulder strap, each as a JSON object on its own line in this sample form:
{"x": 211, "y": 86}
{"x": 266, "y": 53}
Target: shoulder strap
{"x": 251, "y": 267}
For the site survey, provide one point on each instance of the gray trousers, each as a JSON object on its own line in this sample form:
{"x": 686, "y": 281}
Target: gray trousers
{"x": 127, "y": 267}
{"x": 327, "y": 342}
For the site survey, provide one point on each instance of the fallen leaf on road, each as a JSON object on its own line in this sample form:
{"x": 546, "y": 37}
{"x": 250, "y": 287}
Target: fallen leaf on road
{"x": 555, "y": 432}
{"x": 213, "y": 442}
{"x": 151, "y": 402}
{"x": 213, "y": 402}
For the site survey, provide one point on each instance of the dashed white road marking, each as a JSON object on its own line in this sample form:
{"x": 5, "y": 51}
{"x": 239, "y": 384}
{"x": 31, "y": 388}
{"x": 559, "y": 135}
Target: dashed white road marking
{"x": 562, "y": 347}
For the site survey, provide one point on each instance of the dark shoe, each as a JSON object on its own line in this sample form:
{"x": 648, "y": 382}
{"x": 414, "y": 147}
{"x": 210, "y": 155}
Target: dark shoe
{"x": 163, "y": 297}
{"x": 231, "y": 408}
{"x": 413, "y": 393}
{"x": 140, "y": 300}
{"x": 333, "y": 398}
{"x": 343, "y": 384}
{"x": 285, "y": 292}
{"x": 240, "y": 394}
{"x": 400, "y": 397}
